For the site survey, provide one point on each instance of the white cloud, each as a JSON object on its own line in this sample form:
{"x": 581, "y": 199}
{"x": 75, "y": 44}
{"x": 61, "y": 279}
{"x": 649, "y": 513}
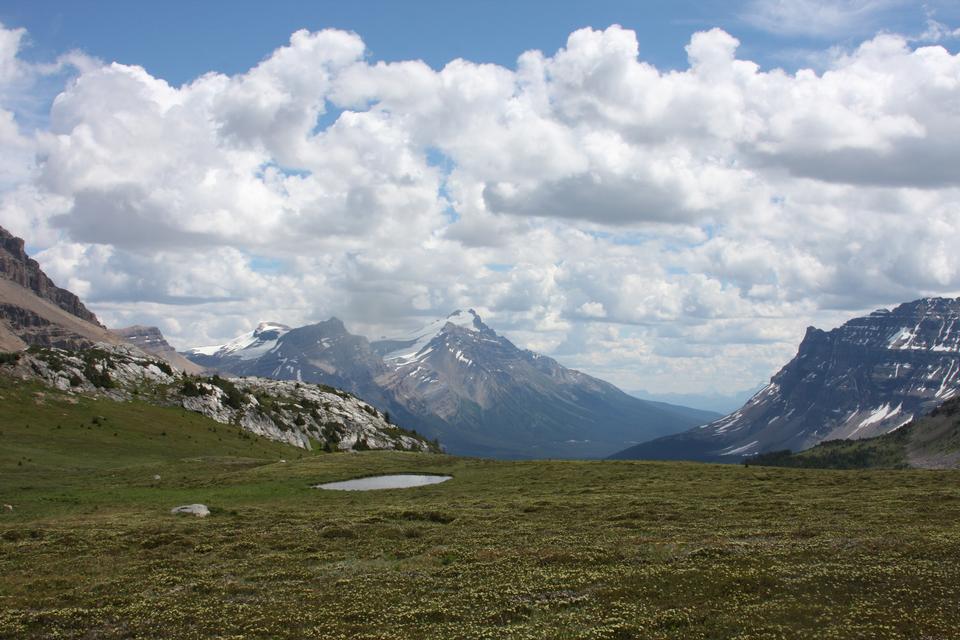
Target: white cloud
{"x": 824, "y": 18}
{"x": 937, "y": 31}
{"x": 671, "y": 230}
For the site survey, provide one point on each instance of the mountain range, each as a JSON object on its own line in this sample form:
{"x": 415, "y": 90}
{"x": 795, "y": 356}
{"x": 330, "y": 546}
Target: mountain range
{"x": 456, "y": 379}
{"x": 865, "y": 378}
{"x": 460, "y": 381}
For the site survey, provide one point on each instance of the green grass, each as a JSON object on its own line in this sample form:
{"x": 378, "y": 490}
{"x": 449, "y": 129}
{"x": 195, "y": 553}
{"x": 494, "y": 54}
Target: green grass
{"x": 884, "y": 452}
{"x": 541, "y": 549}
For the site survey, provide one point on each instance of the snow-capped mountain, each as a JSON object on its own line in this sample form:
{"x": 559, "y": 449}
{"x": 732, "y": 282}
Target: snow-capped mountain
{"x": 865, "y": 378}
{"x": 248, "y": 346}
{"x": 324, "y": 353}
{"x": 460, "y": 381}
{"x": 404, "y": 349}
{"x": 497, "y": 399}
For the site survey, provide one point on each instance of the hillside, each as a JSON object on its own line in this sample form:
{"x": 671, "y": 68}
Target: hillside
{"x": 532, "y": 549}
{"x": 302, "y": 415}
{"x": 930, "y": 442}
{"x": 46, "y": 432}
{"x": 865, "y": 378}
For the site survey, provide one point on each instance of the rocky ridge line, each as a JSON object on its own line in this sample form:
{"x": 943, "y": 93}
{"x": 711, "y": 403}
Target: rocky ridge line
{"x": 300, "y": 414}
{"x": 17, "y": 266}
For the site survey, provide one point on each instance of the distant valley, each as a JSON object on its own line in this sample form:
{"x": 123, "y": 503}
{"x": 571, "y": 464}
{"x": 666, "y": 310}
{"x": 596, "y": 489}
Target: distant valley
{"x": 718, "y": 403}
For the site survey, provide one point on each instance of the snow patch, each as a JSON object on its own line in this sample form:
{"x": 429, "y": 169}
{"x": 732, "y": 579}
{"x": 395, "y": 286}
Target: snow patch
{"x": 878, "y": 415}
{"x": 744, "y": 450}
{"x": 901, "y": 339}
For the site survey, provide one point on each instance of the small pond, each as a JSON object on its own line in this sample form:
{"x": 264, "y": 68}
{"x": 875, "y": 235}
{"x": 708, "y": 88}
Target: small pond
{"x": 397, "y": 481}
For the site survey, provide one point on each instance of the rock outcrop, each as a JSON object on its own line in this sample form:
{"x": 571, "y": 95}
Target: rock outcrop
{"x": 300, "y": 414}
{"x": 198, "y": 510}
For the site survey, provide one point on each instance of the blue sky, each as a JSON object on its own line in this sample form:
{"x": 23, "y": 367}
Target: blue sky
{"x": 178, "y": 40}
{"x": 667, "y": 203}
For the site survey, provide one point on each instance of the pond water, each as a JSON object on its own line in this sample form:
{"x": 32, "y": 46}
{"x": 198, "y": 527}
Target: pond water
{"x": 397, "y": 481}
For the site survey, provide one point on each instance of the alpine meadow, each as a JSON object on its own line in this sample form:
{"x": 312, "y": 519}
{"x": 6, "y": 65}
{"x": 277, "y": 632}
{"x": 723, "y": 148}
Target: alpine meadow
{"x": 384, "y": 321}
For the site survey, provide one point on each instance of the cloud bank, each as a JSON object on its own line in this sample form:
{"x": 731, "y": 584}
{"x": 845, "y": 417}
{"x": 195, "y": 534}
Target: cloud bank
{"x": 671, "y": 230}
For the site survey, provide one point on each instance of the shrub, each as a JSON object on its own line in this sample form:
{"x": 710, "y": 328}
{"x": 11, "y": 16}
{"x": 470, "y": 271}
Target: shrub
{"x": 189, "y": 388}
{"x": 163, "y": 366}
{"x": 235, "y": 397}
{"x": 98, "y": 376}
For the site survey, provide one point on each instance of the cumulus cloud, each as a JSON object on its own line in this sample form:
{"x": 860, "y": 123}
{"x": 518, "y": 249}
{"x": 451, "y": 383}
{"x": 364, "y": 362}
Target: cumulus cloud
{"x": 672, "y": 230}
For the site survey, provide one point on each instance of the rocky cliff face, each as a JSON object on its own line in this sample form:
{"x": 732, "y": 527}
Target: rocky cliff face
{"x": 865, "y": 378}
{"x": 304, "y": 415}
{"x": 151, "y": 340}
{"x": 17, "y": 267}
{"x": 34, "y": 311}
{"x": 459, "y": 380}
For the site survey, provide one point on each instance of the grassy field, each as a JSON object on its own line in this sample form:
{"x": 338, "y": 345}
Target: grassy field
{"x": 605, "y": 549}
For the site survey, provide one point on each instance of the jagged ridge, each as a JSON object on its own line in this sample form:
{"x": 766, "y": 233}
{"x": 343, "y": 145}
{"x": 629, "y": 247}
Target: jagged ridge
{"x": 866, "y": 378}
{"x": 34, "y": 311}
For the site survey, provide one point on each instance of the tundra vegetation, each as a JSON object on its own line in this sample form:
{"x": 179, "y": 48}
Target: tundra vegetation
{"x": 528, "y": 549}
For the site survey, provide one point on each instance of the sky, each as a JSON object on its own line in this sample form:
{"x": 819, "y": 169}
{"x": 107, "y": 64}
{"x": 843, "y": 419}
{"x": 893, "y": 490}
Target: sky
{"x": 664, "y": 195}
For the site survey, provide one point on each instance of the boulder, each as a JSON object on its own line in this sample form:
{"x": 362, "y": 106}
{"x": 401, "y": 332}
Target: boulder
{"x": 199, "y": 510}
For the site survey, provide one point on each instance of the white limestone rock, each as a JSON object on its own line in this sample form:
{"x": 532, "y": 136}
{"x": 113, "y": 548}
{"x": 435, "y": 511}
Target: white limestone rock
{"x": 198, "y": 510}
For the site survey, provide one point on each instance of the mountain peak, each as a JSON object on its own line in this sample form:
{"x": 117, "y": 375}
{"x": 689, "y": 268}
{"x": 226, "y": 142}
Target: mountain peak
{"x": 247, "y": 346}
{"x": 335, "y": 323}
{"x": 150, "y": 339}
{"x": 266, "y": 326}
{"x": 468, "y": 319}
